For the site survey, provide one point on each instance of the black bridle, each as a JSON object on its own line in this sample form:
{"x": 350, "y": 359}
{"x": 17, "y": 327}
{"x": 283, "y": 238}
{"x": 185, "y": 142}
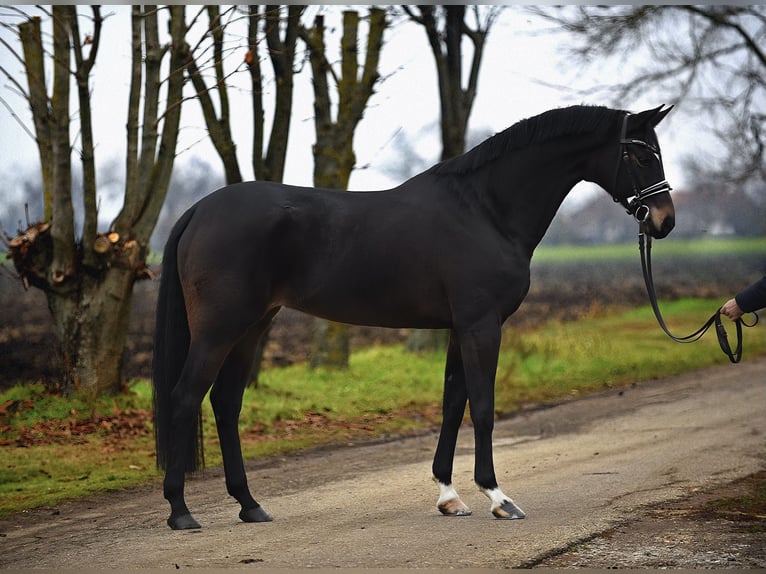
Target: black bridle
{"x": 634, "y": 204}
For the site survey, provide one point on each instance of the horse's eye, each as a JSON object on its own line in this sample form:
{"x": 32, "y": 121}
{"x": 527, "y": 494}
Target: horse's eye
{"x": 639, "y": 161}
{"x": 643, "y": 158}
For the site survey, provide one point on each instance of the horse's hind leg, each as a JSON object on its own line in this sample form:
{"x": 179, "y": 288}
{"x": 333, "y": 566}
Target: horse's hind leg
{"x": 226, "y": 398}
{"x": 453, "y": 409}
{"x": 200, "y": 369}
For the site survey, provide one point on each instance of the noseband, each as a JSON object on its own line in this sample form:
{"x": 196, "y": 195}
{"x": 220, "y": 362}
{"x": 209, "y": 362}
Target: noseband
{"x": 634, "y": 204}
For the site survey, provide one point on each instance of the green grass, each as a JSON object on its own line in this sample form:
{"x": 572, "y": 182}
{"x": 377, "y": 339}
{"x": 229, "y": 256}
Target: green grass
{"x": 615, "y": 349}
{"x": 384, "y": 391}
{"x": 47, "y": 475}
{"x": 669, "y": 247}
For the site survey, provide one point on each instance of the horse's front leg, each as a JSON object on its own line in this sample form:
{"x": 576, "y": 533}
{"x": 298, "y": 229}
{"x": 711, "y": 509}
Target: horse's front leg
{"x": 480, "y": 347}
{"x": 453, "y": 409}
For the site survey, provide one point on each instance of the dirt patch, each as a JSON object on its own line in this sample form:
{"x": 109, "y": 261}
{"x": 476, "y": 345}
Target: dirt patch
{"x": 722, "y": 528}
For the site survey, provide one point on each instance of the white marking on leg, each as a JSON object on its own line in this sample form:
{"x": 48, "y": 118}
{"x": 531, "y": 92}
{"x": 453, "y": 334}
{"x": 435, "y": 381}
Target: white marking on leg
{"x": 496, "y": 496}
{"x": 502, "y": 505}
{"x": 449, "y": 502}
{"x": 446, "y": 493}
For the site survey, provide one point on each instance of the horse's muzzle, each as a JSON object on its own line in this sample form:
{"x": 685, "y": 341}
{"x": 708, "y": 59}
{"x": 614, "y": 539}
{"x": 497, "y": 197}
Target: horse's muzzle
{"x": 659, "y": 224}
{"x": 661, "y": 217}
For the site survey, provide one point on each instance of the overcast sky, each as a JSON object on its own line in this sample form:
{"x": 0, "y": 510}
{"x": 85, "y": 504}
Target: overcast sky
{"x": 521, "y": 63}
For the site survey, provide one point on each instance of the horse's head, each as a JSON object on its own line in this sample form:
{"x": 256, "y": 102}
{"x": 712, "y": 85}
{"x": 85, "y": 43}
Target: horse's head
{"x": 639, "y": 182}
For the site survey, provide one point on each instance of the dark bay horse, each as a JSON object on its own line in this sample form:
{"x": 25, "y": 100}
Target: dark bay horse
{"x": 448, "y": 249}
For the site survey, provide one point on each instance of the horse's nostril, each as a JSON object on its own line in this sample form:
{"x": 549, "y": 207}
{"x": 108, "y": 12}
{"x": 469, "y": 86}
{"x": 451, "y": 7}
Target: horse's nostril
{"x": 668, "y": 224}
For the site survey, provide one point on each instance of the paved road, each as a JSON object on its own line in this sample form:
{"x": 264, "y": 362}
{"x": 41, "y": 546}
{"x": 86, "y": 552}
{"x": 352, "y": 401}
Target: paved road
{"x": 576, "y": 469}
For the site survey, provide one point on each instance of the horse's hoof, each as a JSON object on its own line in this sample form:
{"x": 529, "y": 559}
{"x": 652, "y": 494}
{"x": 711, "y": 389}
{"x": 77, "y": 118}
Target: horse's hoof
{"x": 257, "y": 514}
{"x": 454, "y": 507}
{"x": 508, "y": 511}
{"x": 183, "y": 522}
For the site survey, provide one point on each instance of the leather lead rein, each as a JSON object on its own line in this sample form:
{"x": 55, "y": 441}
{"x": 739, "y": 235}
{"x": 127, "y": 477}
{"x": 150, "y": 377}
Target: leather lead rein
{"x": 645, "y": 247}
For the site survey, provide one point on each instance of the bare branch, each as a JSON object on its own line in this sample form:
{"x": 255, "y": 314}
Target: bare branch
{"x": 709, "y": 58}
{"x": 446, "y": 44}
{"x": 15, "y": 116}
{"x": 720, "y": 19}
{"x": 334, "y": 156}
{"x": 62, "y": 216}
{"x": 166, "y": 153}
{"x": 83, "y": 67}
{"x": 122, "y": 223}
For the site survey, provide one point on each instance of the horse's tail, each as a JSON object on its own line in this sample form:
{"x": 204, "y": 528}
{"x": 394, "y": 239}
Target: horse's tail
{"x": 171, "y": 346}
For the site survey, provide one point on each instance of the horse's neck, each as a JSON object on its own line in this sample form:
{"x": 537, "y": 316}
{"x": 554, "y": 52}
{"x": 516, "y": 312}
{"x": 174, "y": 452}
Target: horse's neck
{"x": 528, "y": 189}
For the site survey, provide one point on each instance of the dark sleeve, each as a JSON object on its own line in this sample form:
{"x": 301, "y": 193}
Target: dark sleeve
{"x": 754, "y": 297}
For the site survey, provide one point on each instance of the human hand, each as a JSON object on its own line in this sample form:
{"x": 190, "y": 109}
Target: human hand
{"x": 732, "y": 310}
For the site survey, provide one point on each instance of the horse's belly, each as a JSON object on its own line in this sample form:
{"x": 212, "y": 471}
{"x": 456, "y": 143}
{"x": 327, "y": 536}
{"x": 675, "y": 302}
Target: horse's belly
{"x": 372, "y": 298}
{"x": 391, "y": 318}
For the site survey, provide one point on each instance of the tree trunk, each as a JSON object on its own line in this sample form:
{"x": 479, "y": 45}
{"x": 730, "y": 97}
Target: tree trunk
{"x": 271, "y": 165}
{"x": 88, "y": 280}
{"x": 92, "y": 325}
{"x": 90, "y": 310}
{"x": 334, "y": 149}
{"x": 268, "y": 167}
{"x": 420, "y": 340}
{"x": 455, "y": 100}
{"x": 331, "y": 345}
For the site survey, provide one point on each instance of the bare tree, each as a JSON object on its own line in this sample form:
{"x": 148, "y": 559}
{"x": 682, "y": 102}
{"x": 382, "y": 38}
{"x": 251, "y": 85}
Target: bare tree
{"x": 711, "y": 59}
{"x": 333, "y": 151}
{"x": 281, "y": 32}
{"x": 279, "y": 27}
{"x": 446, "y": 27}
{"x": 218, "y": 122}
{"x": 88, "y": 278}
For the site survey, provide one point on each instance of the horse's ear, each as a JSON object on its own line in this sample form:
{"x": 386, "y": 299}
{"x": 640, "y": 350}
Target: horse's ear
{"x": 660, "y": 115}
{"x": 649, "y": 117}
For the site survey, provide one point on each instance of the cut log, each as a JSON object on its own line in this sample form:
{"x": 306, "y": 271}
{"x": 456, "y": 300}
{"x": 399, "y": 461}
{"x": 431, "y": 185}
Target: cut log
{"x": 101, "y": 245}
{"x": 31, "y": 234}
{"x": 113, "y": 237}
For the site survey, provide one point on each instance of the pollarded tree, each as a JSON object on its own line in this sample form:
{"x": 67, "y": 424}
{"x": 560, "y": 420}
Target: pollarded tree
{"x": 446, "y": 27}
{"x": 334, "y": 157}
{"x": 278, "y": 26}
{"x": 88, "y": 277}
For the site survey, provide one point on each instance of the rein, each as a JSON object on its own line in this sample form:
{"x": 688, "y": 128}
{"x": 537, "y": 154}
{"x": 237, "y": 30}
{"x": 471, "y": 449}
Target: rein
{"x": 645, "y": 247}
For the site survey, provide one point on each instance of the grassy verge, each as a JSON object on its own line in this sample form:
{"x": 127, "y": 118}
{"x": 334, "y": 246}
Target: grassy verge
{"x": 73, "y": 447}
{"x": 670, "y": 247}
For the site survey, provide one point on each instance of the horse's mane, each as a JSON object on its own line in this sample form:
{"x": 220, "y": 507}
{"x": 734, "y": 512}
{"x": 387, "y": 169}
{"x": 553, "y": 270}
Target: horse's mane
{"x": 571, "y": 121}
